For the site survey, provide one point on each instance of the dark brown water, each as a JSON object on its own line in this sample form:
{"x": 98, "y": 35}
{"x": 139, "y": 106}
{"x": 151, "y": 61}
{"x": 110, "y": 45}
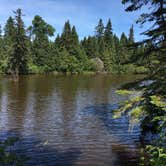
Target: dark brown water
{"x": 67, "y": 120}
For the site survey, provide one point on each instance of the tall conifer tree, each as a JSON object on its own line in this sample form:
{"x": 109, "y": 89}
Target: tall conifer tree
{"x": 100, "y": 29}
{"x": 108, "y": 34}
{"x": 41, "y": 31}
{"x": 66, "y": 35}
{"x": 18, "y": 57}
{"x": 156, "y": 50}
{"x": 131, "y": 35}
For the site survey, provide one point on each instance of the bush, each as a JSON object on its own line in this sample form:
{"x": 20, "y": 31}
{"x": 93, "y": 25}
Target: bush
{"x": 141, "y": 70}
{"x": 155, "y": 156}
{"x": 9, "y": 157}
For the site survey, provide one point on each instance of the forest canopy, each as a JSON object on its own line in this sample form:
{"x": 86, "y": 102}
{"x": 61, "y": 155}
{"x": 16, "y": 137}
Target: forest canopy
{"x": 26, "y": 50}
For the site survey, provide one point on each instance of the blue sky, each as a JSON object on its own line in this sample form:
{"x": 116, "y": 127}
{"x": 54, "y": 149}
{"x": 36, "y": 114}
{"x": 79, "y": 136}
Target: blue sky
{"x": 84, "y": 14}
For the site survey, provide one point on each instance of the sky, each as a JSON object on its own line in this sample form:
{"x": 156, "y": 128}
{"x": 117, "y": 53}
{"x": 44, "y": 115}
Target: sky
{"x": 84, "y": 14}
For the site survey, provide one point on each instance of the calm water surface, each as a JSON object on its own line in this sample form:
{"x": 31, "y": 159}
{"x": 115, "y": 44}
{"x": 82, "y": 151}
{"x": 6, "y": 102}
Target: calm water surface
{"x": 67, "y": 120}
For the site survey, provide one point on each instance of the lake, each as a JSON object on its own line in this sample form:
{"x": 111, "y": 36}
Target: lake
{"x": 68, "y": 120}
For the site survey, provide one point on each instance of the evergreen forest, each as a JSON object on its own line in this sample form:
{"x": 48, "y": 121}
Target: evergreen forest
{"x": 35, "y": 49}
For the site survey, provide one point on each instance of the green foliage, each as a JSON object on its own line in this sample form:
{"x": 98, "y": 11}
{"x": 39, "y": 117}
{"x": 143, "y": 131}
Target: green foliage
{"x": 34, "y": 69}
{"x": 158, "y": 102}
{"x": 124, "y": 92}
{"x": 7, "y": 44}
{"x": 136, "y": 108}
{"x": 68, "y": 63}
{"x": 8, "y": 156}
{"x": 108, "y": 34}
{"x": 18, "y": 59}
{"x": 141, "y": 70}
{"x": 41, "y": 31}
{"x": 136, "y": 114}
{"x": 9, "y": 29}
{"x": 131, "y": 35}
{"x": 90, "y": 46}
{"x": 150, "y": 106}
{"x": 156, "y": 156}
{"x": 155, "y": 92}
{"x": 71, "y": 55}
{"x": 99, "y": 29}
{"x": 31, "y": 51}
{"x": 3, "y": 60}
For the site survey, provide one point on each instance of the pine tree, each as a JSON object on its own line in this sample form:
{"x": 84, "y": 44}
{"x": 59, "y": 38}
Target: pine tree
{"x": 0, "y": 32}
{"x": 58, "y": 41}
{"x": 74, "y": 43}
{"x": 124, "y": 55}
{"x": 156, "y": 42}
{"x": 107, "y": 60}
{"x": 7, "y": 46}
{"x": 18, "y": 58}
{"x": 108, "y": 34}
{"x": 70, "y": 43}
{"x": 1, "y": 50}
{"x": 66, "y": 36}
{"x": 99, "y": 29}
{"x": 74, "y": 37}
{"x": 41, "y": 31}
{"x": 9, "y": 35}
{"x": 77, "y": 51}
{"x": 90, "y": 46}
{"x": 131, "y": 35}
{"x": 29, "y": 32}
{"x": 101, "y": 48}
{"x": 9, "y": 30}
{"x": 132, "y": 49}
{"x": 118, "y": 53}
{"x": 110, "y": 52}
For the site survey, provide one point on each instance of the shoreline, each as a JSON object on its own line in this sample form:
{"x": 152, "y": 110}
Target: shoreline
{"x": 76, "y": 73}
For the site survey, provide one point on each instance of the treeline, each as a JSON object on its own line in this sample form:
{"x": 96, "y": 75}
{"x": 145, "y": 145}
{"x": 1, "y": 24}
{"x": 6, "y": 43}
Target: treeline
{"x": 30, "y": 50}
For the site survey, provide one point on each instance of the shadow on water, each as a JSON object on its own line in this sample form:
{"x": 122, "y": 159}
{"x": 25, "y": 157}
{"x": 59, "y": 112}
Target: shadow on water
{"x": 118, "y": 126}
{"x": 127, "y": 143}
{"x": 40, "y": 153}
